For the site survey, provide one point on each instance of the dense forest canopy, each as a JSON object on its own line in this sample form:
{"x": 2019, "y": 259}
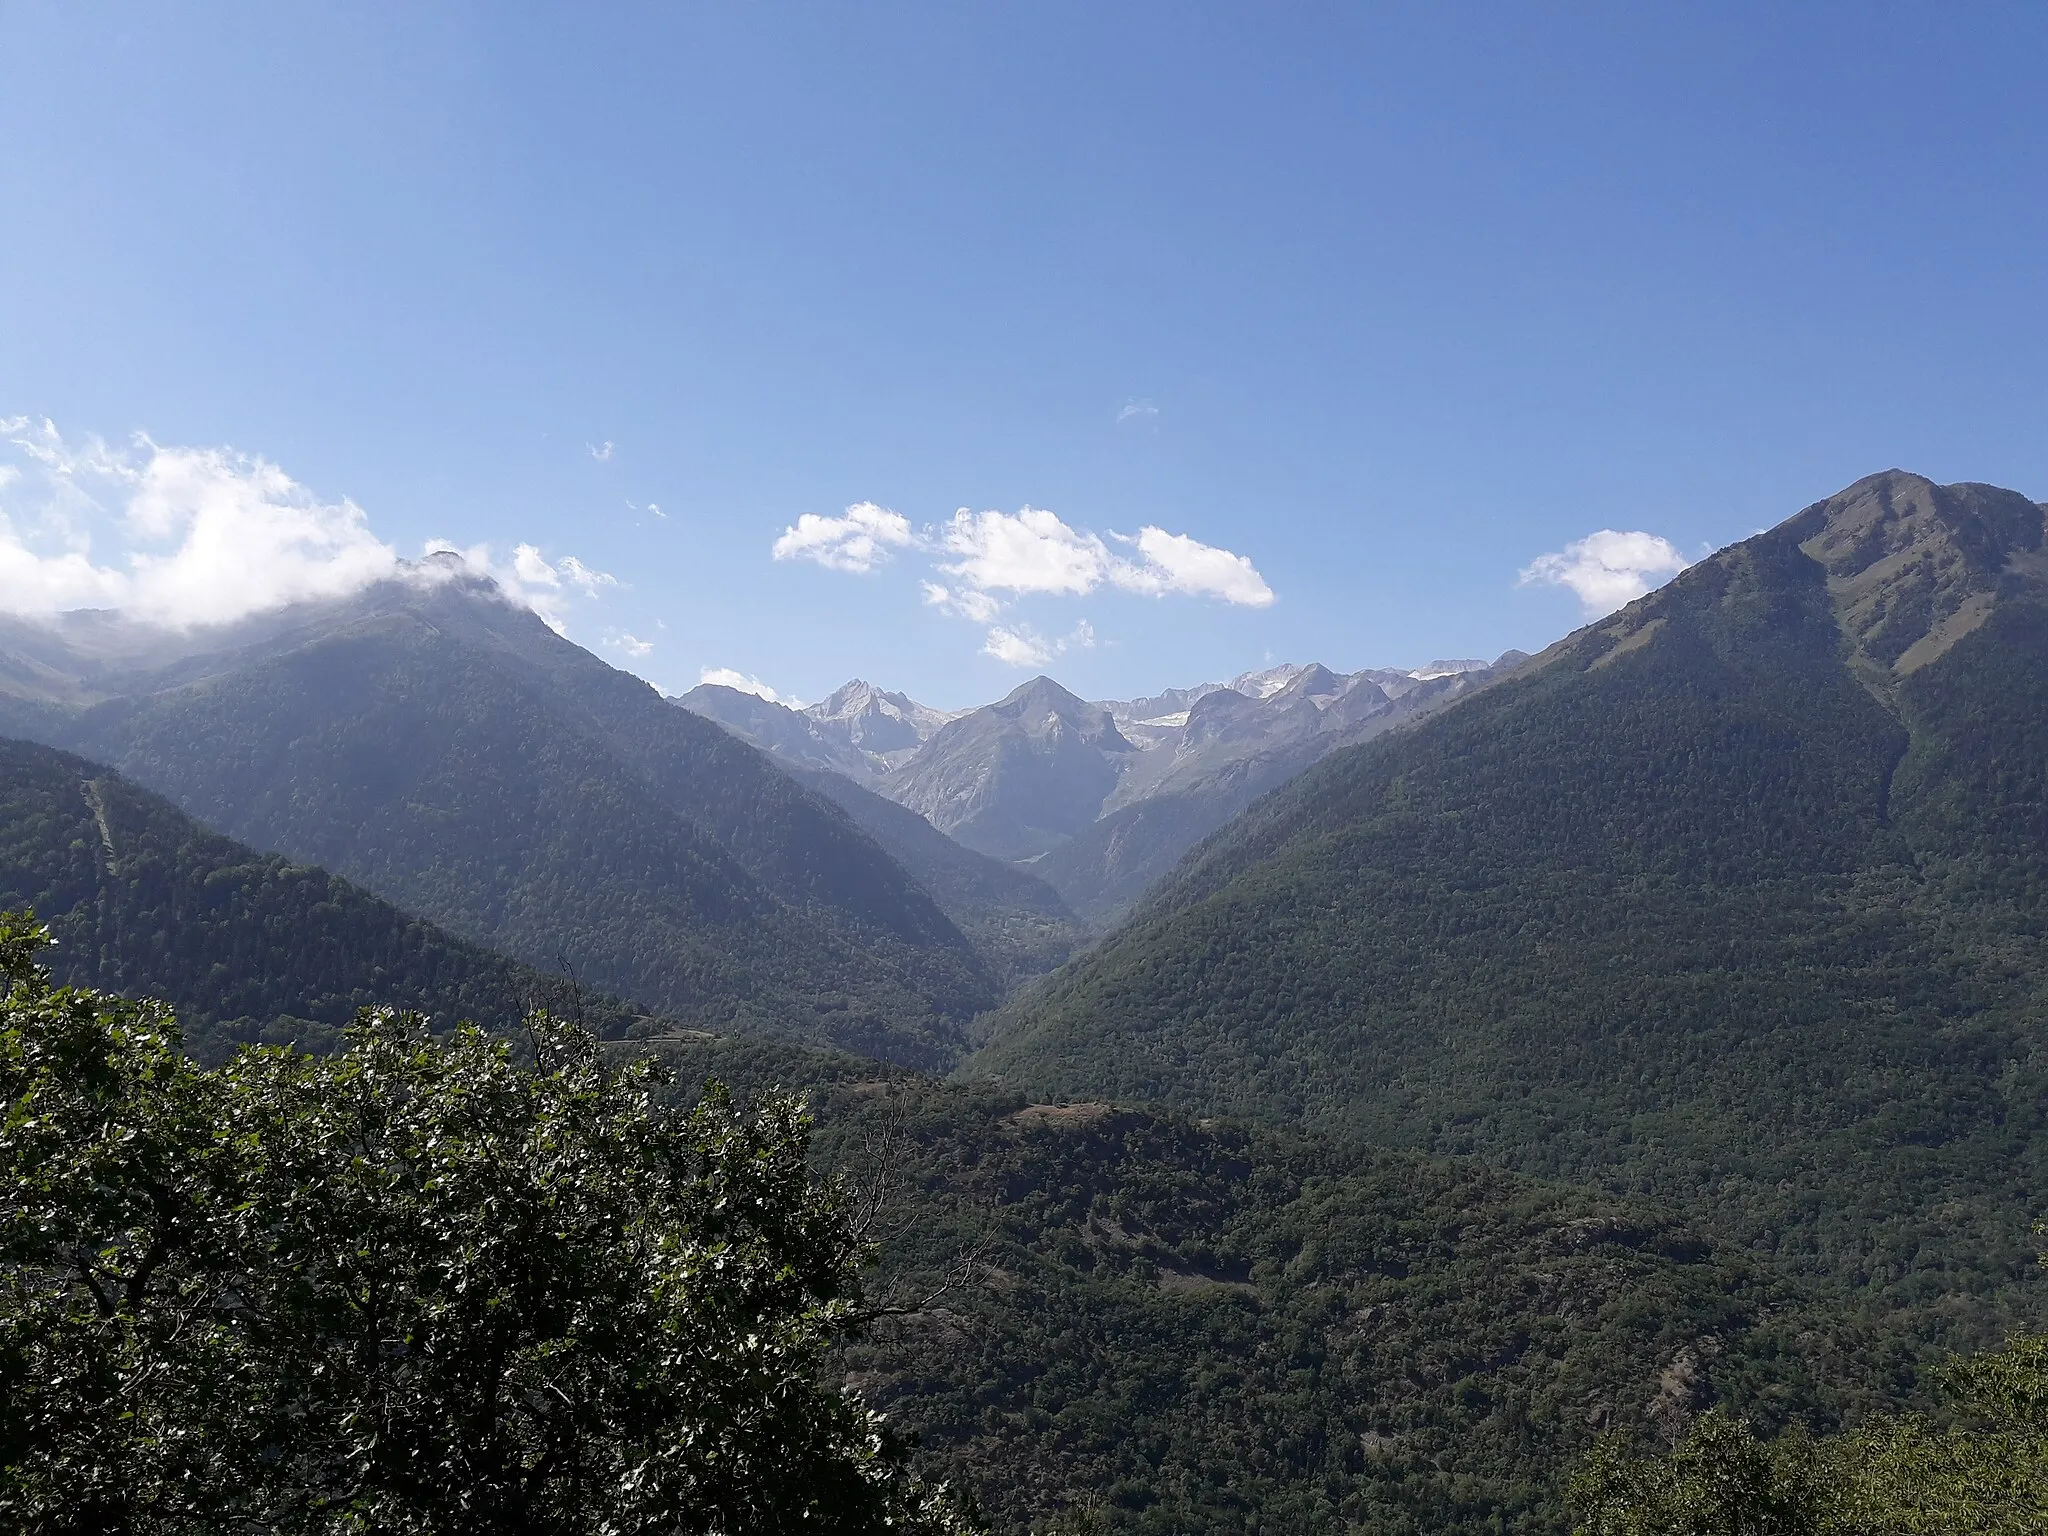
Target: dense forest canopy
{"x": 411, "y": 1287}
{"x": 141, "y": 899}
{"x": 1735, "y": 900}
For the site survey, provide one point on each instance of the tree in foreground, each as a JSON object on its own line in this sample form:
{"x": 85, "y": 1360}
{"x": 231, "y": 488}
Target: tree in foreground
{"x": 1984, "y": 1475}
{"x": 414, "y": 1287}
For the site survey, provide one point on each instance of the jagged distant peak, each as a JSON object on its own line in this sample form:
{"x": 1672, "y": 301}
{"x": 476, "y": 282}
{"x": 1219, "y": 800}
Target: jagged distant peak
{"x": 858, "y": 697}
{"x": 1266, "y": 682}
{"x": 1451, "y": 668}
{"x": 1041, "y": 692}
{"x": 1316, "y": 683}
{"x": 849, "y": 698}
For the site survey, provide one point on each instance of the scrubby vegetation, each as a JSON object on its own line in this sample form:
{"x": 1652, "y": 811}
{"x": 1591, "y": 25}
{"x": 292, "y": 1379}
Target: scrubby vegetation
{"x": 1132, "y": 1320}
{"x": 411, "y": 1287}
{"x": 1985, "y": 1470}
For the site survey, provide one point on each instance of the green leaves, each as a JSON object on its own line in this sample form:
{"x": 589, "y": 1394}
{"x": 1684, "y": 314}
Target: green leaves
{"x": 1895, "y": 1477}
{"x": 1720, "y": 1481}
{"x": 416, "y": 1286}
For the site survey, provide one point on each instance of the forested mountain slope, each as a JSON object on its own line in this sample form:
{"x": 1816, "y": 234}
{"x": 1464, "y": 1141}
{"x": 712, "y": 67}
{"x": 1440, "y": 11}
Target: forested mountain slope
{"x": 1736, "y": 898}
{"x": 446, "y": 750}
{"x": 1017, "y": 921}
{"x": 1197, "y": 1326}
{"x": 1100, "y": 800}
{"x": 1232, "y": 749}
{"x": 143, "y": 900}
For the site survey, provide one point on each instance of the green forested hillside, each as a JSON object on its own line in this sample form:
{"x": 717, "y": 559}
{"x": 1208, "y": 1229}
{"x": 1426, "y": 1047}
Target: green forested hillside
{"x": 1013, "y": 917}
{"x": 1735, "y": 900}
{"x": 145, "y": 901}
{"x": 1195, "y": 1326}
{"x": 1126, "y": 1320}
{"x": 444, "y": 749}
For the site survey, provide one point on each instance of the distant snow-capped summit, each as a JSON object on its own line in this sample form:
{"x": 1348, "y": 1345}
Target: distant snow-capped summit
{"x": 1098, "y": 797}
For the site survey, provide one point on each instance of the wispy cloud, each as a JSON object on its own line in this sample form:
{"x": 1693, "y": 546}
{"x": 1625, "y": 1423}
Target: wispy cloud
{"x": 1607, "y": 570}
{"x": 729, "y": 677}
{"x": 992, "y": 559}
{"x": 195, "y": 536}
{"x": 531, "y": 578}
{"x": 964, "y": 602}
{"x": 858, "y": 541}
{"x": 1137, "y": 410}
{"x": 601, "y": 452}
{"x": 1035, "y": 551}
{"x": 1023, "y": 646}
{"x": 631, "y": 644}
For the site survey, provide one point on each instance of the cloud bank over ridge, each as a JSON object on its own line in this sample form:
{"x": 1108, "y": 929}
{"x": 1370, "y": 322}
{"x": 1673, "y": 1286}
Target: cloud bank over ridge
{"x": 186, "y": 537}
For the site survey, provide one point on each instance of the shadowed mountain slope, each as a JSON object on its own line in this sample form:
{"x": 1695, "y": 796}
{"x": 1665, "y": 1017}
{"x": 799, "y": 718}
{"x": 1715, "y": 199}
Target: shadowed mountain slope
{"x": 1740, "y": 897}
{"x": 1017, "y": 777}
{"x": 1098, "y": 808}
{"x": 143, "y": 900}
{"x": 1010, "y": 915}
{"x": 1231, "y": 749}
{"x": 789, "y": 734}
{"x": 451, "y": 753}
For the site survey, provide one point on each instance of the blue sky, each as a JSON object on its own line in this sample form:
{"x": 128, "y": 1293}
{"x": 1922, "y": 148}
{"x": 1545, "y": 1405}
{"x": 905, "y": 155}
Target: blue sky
{"x": 1367, "y": 308}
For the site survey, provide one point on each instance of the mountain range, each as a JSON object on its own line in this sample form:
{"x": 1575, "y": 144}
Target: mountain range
{"x": 445, "y": 750}
{"x": 1363, "y": 1087}
{"x": 248, "y": 947}
{"x": 1097, "y": 799}
{"x": 1737, "y": 898}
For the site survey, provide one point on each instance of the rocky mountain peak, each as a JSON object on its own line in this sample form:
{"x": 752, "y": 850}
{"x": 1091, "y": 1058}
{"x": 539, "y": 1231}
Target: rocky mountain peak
{"x": 1315, "y": 683}
{"x": 1266, "y": 682}
{"x": 875, "y": 721}
{"x": 1913, "y": 566}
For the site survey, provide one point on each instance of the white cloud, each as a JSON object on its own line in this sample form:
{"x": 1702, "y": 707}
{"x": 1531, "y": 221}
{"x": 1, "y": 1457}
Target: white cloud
{"x": 1608, "y": 569}
{"x": 1137, "y": 410}
{"x": 195, "y": 536}
{"x": 1173, "y": 562}
{"x": 1017, "y": 647}
{"x": 858, "y": 542}
{"x": 632, "y": 645}
{"x": 966, "y": 603}
{"x": 206, "y": 535}
{"x": 1023, "y": 646}
{"x": 601, "y": 452}
{"x": 532, "y": 580}
{"x": 1027, "y": 551}
{"x": 991, "y": 559}
{"x": 728, "y": 677}
{"x": 1035, "y": 551}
